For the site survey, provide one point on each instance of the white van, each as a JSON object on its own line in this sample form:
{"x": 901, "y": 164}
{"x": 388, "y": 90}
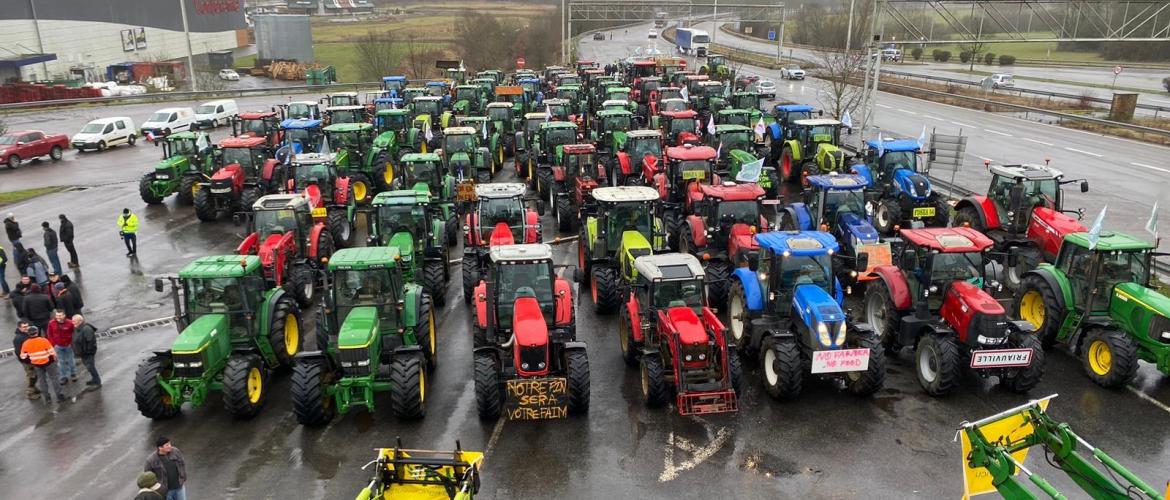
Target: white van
{"x": 105, "y": 132}
{"x": 168, "y": 120}
{"x": 894, "y": 55}
{"x": 212, "y": 114}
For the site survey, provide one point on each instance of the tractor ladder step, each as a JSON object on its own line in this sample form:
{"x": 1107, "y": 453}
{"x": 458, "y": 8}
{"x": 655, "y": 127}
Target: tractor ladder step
{"x": 701, "y": 403}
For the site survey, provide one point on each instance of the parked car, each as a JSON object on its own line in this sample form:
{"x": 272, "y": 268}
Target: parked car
{"x": 212, "y": 114}
{"x": 599, "y": 36}
{"x": 792, "y": 72}
{"x": 168, "y": 120}
{"x": 893, "y": 55}
{"x": 1166, "y": 83}
{"x": 653, "y": 33}
{"x": 23, "y": 145}
{"x": 1000, "y": 80}
{"x": 105, "y": 132}
{"x": 766, "y": 88}
{"x": 228, "y": 74}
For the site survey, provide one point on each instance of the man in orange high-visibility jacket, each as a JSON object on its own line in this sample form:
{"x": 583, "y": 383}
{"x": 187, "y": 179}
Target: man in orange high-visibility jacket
{"x": 39, "y": 351}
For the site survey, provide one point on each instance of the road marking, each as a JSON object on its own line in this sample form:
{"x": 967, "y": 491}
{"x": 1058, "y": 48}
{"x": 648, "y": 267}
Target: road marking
{"x": 907, "y": 111}
{"x": 1151, "y": 167}
{"x": 1159, "y": 100}
{"x": 698, "y": 453}
{"x": 1084, "y": 152}
{"x": 1147, "y": 397}
{"x": 964, "y": 125}
{"x": 997, "y": 132}
{"x": 984, "y": 158}
{"x": 495, "y": 435}
{"x": 1038, "y": 142}
{"x": 932, "y": 117}
{"x": 884, "y": 106}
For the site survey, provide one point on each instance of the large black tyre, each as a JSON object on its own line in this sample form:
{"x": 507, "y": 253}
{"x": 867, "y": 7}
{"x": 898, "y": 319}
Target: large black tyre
{"x": 321, "y": 333}
{"x": 311, "y": 403}
{"x": 606, "y": 289}
{"x": 470, "y": 276}
{"x": 489, "y": 399}
{"x": 1036, "y": 303}
{"x": 577, "y": 371}
{"x": 584, "y": 262}
{"x": 424, "y": 331}
{"x": 738, "y": 324}
{"x": 379, "y": 179}
{"x": 1109, "y": 357}
{"x": 340, "y": 227}
{"x": 483, "y": 175}
{"x": 808, "y": 168}
{"x": 787, "y": 167}
{"x": 363, "y": 188}
{"x": 408, "y": 386}
{"x": 674, "y": 229}
{"x": 938, "y": 363}
{"x": 781, "y": 367}
{"x": 735, "y": 369}
{"x": 970, "y": 216}
{"x": 566, "y": 216}
{"x": 188, "y": 186}
{"x": 248, "y": 197}
{"x": 245, "y": 385}
{"x": 718, "y": 283}
{"x": 451, "y": 230}
{"x": 887, "y": 215}
{"x": 654, "y": 387}
{"x": 942, "y": 213}
{"x": 205, "y": 206}
{"x": 435, "y": 280}
{"x": 882, "y": 315}
{"x": 145, "y": 192}
{"x": 153, "y": 401}
{"x": 874, "y": 377}
{"x": 1023, "y": 379}
{"x": 629, "y": 347}
{"x": 284, "y": 331}
{"x": 300, "y": 284}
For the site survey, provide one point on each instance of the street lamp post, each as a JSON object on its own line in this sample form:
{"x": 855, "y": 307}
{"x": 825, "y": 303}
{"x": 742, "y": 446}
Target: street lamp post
{"x": 190, "y": 57}
{"x": 780, "y": 35}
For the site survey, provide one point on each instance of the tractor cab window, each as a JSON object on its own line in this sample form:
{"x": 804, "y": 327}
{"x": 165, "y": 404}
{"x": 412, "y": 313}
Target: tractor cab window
{"x": 214, "y": 296}
{"x": 680, "y": 125}
{"x": 965, "y": 266}
{"x": 581, "y": 164}
{"x": 628, "y": 217}
{"x": 184, "y": 147}
{"x": 421, "y": 171}
{"x": 344, "y": 116}
{"x": 1075, "y": 261}
{"x": 822, "y": 133}
{"x": 246, "y": 158}
{"x": 561, "y": 136}
{"x": 318, "y": 174}
{"x": 674, "y": 105}
{"x": 345, "y": 140}
{"x": 559, "y": 111}
{"x": 437, "y": 90}
{"x": 257, "y": 126}
{"x": 748, "y": 101}
{"x": 466, "y": 94}
{"x": 569, "y": 80}
{"x": 639, "y": 148}
{"x": 1037, "y": 193}
{"x": 426, "y": 107}
{"x": 737, "y": 119}
{"x": 732, "y": 212}
{"x": 804, "y": 270}
{"x": 369, "y": 288}
{"x": 394, "y": 219}
{"x": 392, "y": 122}
{"x": 894, "y": 160}
{"x": 410, "y": 94}
{"x": 734, "y": 140}
{"x": 688, "y": 292}
{"x": 493, "y": 211}
{"x": 299, "y": 110}
{"x": 570, "y": 94}
{"x": 309, "y": 139}
{"x": 1121, "y": 267}
{"x": 618, "y": 95}
{"x": 464, "y": 143}
{"x": 712, "y": 90}
{"x": 693, "y": 169}
{"x": 500, "y": 114}
{"x": 792, "y": 116}
{"x": 341, "y": 100}
{"x": 612, "y": 123}
{"x": 532, "y": 279}
{"x": 531, "y": 126}
{"x": 270, "y": 222}
{"x": 650, "y": 86}
{"x": 838, "y": 203}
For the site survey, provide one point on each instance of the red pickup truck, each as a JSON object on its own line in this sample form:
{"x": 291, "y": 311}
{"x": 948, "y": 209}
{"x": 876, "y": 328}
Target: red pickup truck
{"x": 23, "y": 145}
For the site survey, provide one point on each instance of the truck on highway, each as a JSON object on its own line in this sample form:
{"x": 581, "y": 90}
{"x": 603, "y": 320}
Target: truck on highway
{"x": 692, "y": 41}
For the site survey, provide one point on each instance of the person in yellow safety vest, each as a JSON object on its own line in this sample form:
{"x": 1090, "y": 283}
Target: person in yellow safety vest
{"x": 39, "y": 351}
{"x": 128, "y": 229}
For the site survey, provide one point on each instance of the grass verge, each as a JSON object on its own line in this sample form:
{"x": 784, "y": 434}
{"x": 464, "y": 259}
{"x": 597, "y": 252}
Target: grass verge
{"x": 10, "y": 197}
{"x": 1047, "y": 80}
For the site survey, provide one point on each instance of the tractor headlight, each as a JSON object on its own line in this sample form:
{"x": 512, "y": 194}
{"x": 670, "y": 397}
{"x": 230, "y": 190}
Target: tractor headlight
{"x": 688, "y": 357}
{"x": 364, "y": 362}
{"x": 540, "y": 365}
{"x": 702, "y": 357}
{"x": 823, "y": 333}
{"x": 180, "y": 365}
{"x": 1166, "y": 335}
{"x": 841, "y": 333}
{"x": 195, "y": 364}
{"x": 524, "y": 365}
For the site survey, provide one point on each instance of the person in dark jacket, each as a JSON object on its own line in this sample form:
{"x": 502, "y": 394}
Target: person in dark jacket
{"x": 35, "y": 267}
{"x": 74, "y": 291}
{"x": 85, "y": 345}
{"x": 65, "y": 232}
{"x": 168, "y": 466}
{"x": 51, "y": 246}
{"x": 12, "y": 228}
{"x": 19, "y": 292}
{"x": 30, "y": 374}
{"x": 4, "y": 290}
{"x": 63, "y": 299}
{"x": 148, "y": 487}
{"x": 37, "y": 308}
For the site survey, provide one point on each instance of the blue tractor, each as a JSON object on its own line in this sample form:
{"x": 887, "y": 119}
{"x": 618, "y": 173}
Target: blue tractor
{"x": 786, "y": 307}
{"x": 782, "y": 116}
{"x": 441, "y": 90}
{"x": 394, "y": 85}
{"x": 836, "y": 204}
{"x": 899, "y": 190}
{"x": 299, "y": 135}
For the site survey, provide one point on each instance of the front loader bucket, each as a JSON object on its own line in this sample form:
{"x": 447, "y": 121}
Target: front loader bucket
{"x": 706, "y": 402}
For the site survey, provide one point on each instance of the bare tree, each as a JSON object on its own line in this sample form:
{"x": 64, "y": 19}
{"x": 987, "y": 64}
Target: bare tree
{"x": 209, "y": 81}
{"x": 377, "y": 55}
{"x": 841, "y": 74}
{"x": 972, "y": 49}
{"x": 420, "y": 59}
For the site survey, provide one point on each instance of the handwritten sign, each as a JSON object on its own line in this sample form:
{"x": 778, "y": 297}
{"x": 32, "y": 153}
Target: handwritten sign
{"x": 537, "y": 399}
{"x": 842, "y": 360}
{"x": 465, "y": 191}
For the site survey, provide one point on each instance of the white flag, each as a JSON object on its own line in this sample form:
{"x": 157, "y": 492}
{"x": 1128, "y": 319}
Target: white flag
{"x": 324, "y": 145}
{"x": 719, "y": 150}
{"x": 485, "y": 125}
{"x": 1152, "y": 224}
{"x": 683, "y": 93}
{"x": 1095, "y": 231}
{"x": 711, "y": 125}
{"x": 428, "y": 134}
{"x": 881, "y": 147}
{"x": 750, "y": 172}
{"x": 922, "y": 138}
{"x": 760, "y": 127}
{"x": 201, "y": 143}
{"x": 548, "y": 113}
{"x": 846, "y": 120}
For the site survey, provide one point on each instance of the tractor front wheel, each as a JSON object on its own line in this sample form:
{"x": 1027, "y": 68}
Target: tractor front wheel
{"x": 322, "y": 335}
{"x": 718, "y": 277}
{"x": 363, "y": 188}
{"x": 153, "y": 401}
{"x": 408, "y": 382}
{"x": 300, "y": 284}
{"x": 311, "y": 402}
{"x": 284, "y": 331}
{"x": 882, "y": 315}
{"x": 577, "y": 371}
{"x": 424, "y": 332}
{"x": 654, "y": 389}
{"x": 865, "y": 383}
{"x": 205, "y": 209}
{"x": 188, "y": 186}
{"x": 248, "y": 198}
{"x": 606, "y": 289}
{"x": 483, "y": 175}
{"x": 451, "y": 228}
{"x": 735, "y": 370}
{"x": 888, "y": 214}
{"x": 144, "y": 190}
{"x": 489, "y": 399}
{"x": 340, "y": 227}
{"x": 435, "y": 280}
{"x": 1110, "y": 357}
{"x": 788, "y": 171}
{"x": 737, "y": 315}
{"x": 938, "y": 363}
{"x": 470, "y": 276}
{"x": 1024, "y": 378}
{"x": 245, "y": 385}
{"x": 584, "y": 263}
{"x": 780, "y": 362}
{"x": 1036, "y": 303}
{"x": 629, "y": 346}
{"x": 565, "y": 214}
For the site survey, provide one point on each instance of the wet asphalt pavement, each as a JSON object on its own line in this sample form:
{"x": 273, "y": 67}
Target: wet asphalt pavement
{"x": 826, "y": 444}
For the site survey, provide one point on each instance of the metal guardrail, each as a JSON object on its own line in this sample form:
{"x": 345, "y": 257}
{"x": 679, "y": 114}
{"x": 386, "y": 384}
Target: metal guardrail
{"x": 187, "y": 95}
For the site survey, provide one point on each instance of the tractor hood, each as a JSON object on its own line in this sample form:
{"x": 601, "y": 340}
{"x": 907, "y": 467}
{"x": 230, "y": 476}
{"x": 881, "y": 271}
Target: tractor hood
{"x": 815, "y": 305}
{"x": 175, "y": 163}
{"x": 226, "y": 173}
{"x": 915, "y": 185}
{"x": 200, "y": 333}
{"x": 421, "y": 187}
{"x": 404, "y": 242}
{"x": 358, "y": 328}
{"x": 1130, "y": 296}
{"x": 686, "y": 322}
{"x": 619, "y": 140}
{"x": 385, "y": 139}
{"x": 635, "y": 244}
{"x": 857, "y": 227}
{"x": 269, "y": 249}
{"x": 460, "y": 106}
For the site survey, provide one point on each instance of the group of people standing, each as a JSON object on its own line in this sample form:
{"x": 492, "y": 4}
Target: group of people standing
{"x": 26, "y": 259}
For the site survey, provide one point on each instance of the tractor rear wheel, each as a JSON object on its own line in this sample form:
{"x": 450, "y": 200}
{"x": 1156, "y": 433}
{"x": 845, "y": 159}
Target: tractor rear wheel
{"x": 654, "y": 388}
{"x": 424, "y": 332}
{"x": 737, "y": 316}
{"x": 718, "y": 276}
{"x": 188, "y": 186}
{"x": 1024, "y": 378}
{"x": 299, "y": 284}
{"x": 483, "y": 175}
{"x": 780, "y": 362}
{"x": 888, "y": 214}
{"x": 566, "y": 216}
{"x": 674, "y": 229}
{"x": 470, "y": 276}
{"x": 1036, "y": 303}
{"x": 489, "y": 400}
{"x": 938, "y": 363}
{"x": 363, "y": 188}
{"x": 311, "y": 403}
{"x": 1109, "y": 357}
{"x": 153, "y": 401}
{"x": 882, "y": 315}
{"x": 451, "y": 229}
{"x": 584, "y": 263}
{"x": 340, "y": 227}
{"x": 735, "y": 369}
{"x": 606, "y": 289}
{"x": 205, "y": 209}
{"x": 408, "y": 390}
{"x": 969, "y": 216}
{"x": 577, "y": 371}
{"x": 284, "y": 331}
{"x": 874, "y": 377}
{"x": 248, "y": 197}
{"x": 384, "y": 172}
{"x": 245, "y": 385}
{"x": 435, "y": 280}
{"x": 629, "y": 346}
{"x": 145, "y": 191}
{"x": 788, "y": 170}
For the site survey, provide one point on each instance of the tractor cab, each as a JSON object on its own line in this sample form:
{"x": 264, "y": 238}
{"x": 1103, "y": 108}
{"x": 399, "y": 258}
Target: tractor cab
{"x": 729, "y": 138}
{"x": 531, "y": 89}
{"x": 582, "y": 66}
{"x": 529, "y": 129}
{"x": 463, "y": 156}
{"x": 246, "y": 172}
{"x": 899, "y": 187}
{"x": 193, "y": 145}
{"x": 523, "y": 74}
{"x": 403, "y": 220}
{"x": 305, "y": 110}
{"x": 187, "y": 159}
{"x": 366, "y": 288}
{"x": 486, "y": 86}
{"x": 515, "y": 98}
{"x": 500, "y": 216}
{"x": 668, "y": 66}
{"x": 1018, "y": 195}
{"x": 522, "y": 274}
{"x": 617, "y": 228}
{"x": 394, "y": 85}
{"x": 503, "y": 115}
{"x": 424, "y": 172}
{"x": 618, "y": 94}
{"x": 301, "y": 135}
{"x": 730, "y": 116}
{"x": 387, "y": 103}
{"x": 610, "y": 129}
{"x": 264, "y": 124}
{"x": 567, "y": 79}
{"x": 812, "y": 147}
{"x": 351, "y": 145}
{"x": 494, "y": 75}
{"x": 559, "y": 109}
{"x": 747, "y": 100}
{"x": 710, "y": 96}
{"x": 457, "y": 75}
{"x": 937, "y": 259}
{"x": 551, "y": 135}
{"x": 719, "y": 227}
{"x": 432, "y": 107}
{"x": 571, "y": 93}
{"x": 639, "y": 158}
{"x": 614, "y": 105}
{"x": 341, "y": 99}
{"x": 646, "y": 90}
{"x": 346, "y": 114}
{"x": 782, "y": 116}
{"x": 679, "y": 78}
{"x": 643, "y": 69}
{"x": 836, "y": 204}
{"x": 228, "y": 288}
{"x": 672, "y": 104}
{"x": 679, "y": 127}
{"x": 409, "y": 94}
{"x": 392, "y": 120}
{"x": 441, "y": 90}
{"x": 469, "y": 100}
{"x": 276, "y": 215}
{"x": 577, "y": 173}
{"x": 685, "y": 166}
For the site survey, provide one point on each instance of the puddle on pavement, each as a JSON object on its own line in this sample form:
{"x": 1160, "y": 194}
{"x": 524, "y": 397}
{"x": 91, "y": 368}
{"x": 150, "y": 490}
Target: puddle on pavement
{"x": 769, "y": 465}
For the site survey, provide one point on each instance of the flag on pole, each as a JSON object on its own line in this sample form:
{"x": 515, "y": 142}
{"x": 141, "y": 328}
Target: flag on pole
{"x": 548, "y": 113}
{"x": 201, "y": 144}
{"x": 922, "y": 138}
{"x": 324, "y": 145}
{"x": 429, "y": 135}
{"x": 711, "y": 125}
{"x": 1095, "y": 231}
{"x": 683, "y": 93}
{"x": 719, "y": 150}
{"x": 750, "y": 172}
{"x": 881, "y": 147}
{"x": 846, "y": 120}
{"x": 485, "y": 125}
{"x": 760, "y": 127}
{"x": 1152, "y": 224}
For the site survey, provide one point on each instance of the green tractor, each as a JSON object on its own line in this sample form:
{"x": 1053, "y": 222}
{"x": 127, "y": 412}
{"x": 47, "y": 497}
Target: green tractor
{"x": 356, "y": 156}
{"x": 505, "y": 122}
{"x": 403, "y": 220}
{"x": 814, "y": 146}
{"x": 618, "y": 228}
{"x": 432, "y": 108}
{"x": 470, "y": 100}
{"x": 710, "y": 97}
{"x": 424, "y": 172}
{"x": 716, "y": 67}
{"x": 463, "y": 157}
{"x": 609, "y": 132}
{"x": 371, "y": 317}
{"x": 489, "y": 136}
{"x": 233, "y": 332}
{"x": 187, "y": 161}
{"x": 728, "y": 139}
{"x": 397, "y": 134}
{"x": 1099, "y": 301}
{"x": 749, "y": 101}
{"x": 525, "y": 142}
{"x": 544, "y": 151}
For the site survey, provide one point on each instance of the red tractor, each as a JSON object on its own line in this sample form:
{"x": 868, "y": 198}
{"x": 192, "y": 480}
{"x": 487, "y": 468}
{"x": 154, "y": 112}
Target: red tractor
{"x": 1023, "y": 213}
{"x": 668, "y": 331}
{"x": 264, "y": 124}
{"x": 249, "y": 171}
{"x": 679, "y": 127}
{"x": 575, "y": 174}
{"x": 720, "y": 227}
{"x": 290, "y": 244}
{"x": 638, "y": 159}
{"x": 525, "y": 330}
{"x": 935, "y": 300}
{"x": 497, "y": 217}
{"x": 330, "y": 194}
{"x": 687, "y": 167}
